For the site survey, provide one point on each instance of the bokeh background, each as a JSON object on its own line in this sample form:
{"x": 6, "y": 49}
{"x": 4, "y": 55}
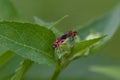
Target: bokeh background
{"x": 104, "y": 65}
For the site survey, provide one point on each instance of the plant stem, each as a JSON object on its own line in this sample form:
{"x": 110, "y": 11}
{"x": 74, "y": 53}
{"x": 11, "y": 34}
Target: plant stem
{"x": 58, "y": 69}
{"x": 56, "y": 73}
{"x": 23, "y": 68}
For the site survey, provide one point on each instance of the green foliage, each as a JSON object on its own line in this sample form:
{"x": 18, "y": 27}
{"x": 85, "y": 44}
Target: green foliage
{"x": 28, "y": 40}
{"x": 4, "y": 57}
{"x": 47, "y": 25}
{"x": 24, "y": 66}
{"x": 34, "y": 42}
{"x": 80, "y": 46}
{"x": 9, "y": 68}
{"x": 107, "y": 24}
{"x": 42, "y": 23}
{"x": 50, "y": 25}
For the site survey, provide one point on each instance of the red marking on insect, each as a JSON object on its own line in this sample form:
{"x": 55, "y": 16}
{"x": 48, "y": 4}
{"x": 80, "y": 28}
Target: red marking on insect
{"x": 72, "y": 33}
{"x": 61, "y": 39}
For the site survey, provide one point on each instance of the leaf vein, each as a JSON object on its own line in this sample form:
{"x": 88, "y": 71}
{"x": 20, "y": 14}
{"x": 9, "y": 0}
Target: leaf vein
{"x": 24, "y": 45}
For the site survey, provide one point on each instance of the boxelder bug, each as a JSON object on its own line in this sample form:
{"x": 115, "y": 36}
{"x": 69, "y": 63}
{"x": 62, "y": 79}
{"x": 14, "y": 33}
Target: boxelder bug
{"x": 61, "y": 39}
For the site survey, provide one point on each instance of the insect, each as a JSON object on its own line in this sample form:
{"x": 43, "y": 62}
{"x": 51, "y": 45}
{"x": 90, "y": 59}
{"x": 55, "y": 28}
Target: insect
{"x": 61, "y": 39}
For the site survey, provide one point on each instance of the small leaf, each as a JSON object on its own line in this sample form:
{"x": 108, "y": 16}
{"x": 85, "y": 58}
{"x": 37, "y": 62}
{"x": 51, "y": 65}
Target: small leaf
{"x": 8, "y": 69}
{"x": 30, "y": 41}
{"x": 104, "y": 25}
{"x": 50, "y": 25}
{"x": 5, "y": 57}
{"x": 43, "y": 23}
{"x": 78, "y": 47}
{"x": 24, "y": 66}
{"x": 47, "y": 25}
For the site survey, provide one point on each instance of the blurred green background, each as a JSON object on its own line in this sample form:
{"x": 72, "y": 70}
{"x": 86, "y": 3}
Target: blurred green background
{"x": 80, "y": 12}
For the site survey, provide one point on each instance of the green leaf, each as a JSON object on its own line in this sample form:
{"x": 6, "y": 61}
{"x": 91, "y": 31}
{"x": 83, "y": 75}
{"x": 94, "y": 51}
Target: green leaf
{"x": 50, "y": 25}
{"x": 9, "y": 68}
{"x": 47, "y": 25}
{"x": 107, "y": 24}
{"x": 43, "y": 23}
{"x": 24, "y": 66}
{"x": 30, "y": 41}
{"x": 7, "y": 10}
{"x": 111, "y": 71}
{"x": 5, "y": 57}
{"x": 79, "y": 46}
